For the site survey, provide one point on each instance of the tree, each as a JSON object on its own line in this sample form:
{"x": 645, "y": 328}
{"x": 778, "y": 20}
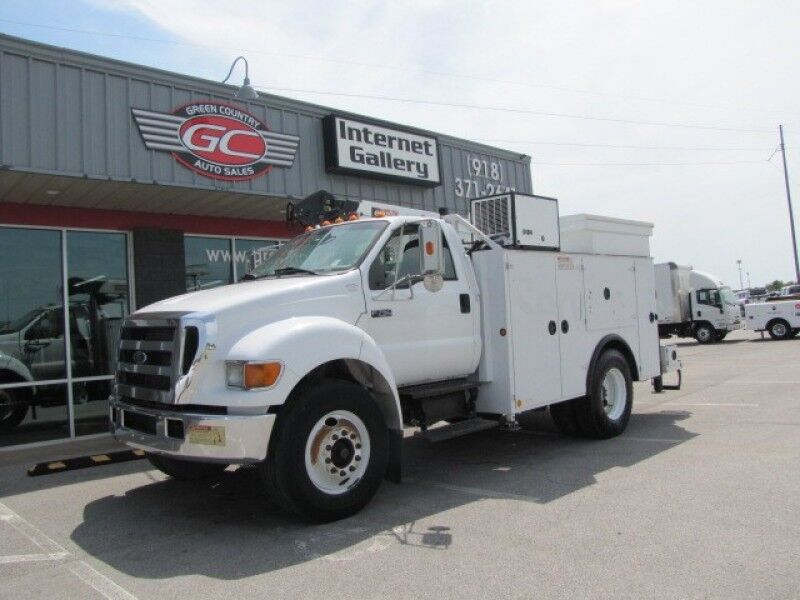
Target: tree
{"x": 775, "y": 286}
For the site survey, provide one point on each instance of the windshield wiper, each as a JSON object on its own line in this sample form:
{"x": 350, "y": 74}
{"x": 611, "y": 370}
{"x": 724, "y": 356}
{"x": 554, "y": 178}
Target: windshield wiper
{"x": 293, "y": 271}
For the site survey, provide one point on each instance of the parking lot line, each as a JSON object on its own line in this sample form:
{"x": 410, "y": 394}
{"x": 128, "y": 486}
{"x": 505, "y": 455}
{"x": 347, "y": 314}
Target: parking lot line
{"x": 55, "y": 551}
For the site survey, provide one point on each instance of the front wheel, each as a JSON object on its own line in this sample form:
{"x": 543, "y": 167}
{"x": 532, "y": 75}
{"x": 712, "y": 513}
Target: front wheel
{"x": 328, "y": 453}
{"x": 705, "y": 334}
{"x": 605, "y": 412}
{"x": 13, "y": 409}
{"x": 185, "y": 470}
{"x": 780, "y": 330}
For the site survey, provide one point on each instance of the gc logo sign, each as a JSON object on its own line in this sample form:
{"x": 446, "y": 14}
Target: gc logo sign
{"x": 217, "y": 140}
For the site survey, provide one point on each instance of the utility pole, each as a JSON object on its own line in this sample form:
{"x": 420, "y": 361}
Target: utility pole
{"x": 739, "y": 265}
{"x": 789, "y": 201}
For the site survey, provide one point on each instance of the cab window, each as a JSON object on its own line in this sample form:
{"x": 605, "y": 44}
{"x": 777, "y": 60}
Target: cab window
{"x": 400, "y": 258}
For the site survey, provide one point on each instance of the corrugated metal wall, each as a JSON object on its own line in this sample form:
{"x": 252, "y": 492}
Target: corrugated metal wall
{"x": 67, "y": 113}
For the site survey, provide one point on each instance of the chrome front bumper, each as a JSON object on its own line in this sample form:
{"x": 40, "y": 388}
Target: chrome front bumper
{"x": 232, "y": 439}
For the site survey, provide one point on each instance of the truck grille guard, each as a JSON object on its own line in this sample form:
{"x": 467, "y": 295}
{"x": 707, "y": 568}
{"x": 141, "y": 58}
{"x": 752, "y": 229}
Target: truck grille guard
{"x": 161, "y": 354}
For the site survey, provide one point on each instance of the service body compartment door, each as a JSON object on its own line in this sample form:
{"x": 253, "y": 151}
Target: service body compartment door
{"x": 575, "y": 350}
{"x": 649, "y": 361}
{"x": 533, "y": 327}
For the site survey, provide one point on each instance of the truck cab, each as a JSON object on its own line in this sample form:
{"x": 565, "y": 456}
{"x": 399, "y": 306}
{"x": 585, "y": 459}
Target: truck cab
{"x": 360, "y": 327}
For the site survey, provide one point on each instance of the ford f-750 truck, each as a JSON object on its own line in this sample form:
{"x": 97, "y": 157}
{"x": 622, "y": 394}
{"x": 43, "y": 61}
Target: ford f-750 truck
{"x": 354, "y": 330}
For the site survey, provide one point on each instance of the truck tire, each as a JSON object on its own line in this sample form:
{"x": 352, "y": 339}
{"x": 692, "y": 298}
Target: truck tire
{"x": 565, "y": 419}
{"x": 704, "y": 333}
{"x": 329, "y": 452}
{"x": 779, "y": 330}
{"x": 185, "y": 470}
{"x": 605, "y": 412}
{"x": 13, "y": 408}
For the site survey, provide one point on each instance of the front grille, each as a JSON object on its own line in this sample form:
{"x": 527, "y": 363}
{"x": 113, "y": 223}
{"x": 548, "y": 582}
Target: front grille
{"x": 156, "y": 382}
{"x": 153, "y": 354}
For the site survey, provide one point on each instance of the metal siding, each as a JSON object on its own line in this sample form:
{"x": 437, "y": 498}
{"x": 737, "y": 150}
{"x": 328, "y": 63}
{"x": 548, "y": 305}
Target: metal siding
{"x": 43, "y": 124}
{"x": 69, "y": 114}
{"x": 69, "y": 147}
{"x": 15, "y": 123}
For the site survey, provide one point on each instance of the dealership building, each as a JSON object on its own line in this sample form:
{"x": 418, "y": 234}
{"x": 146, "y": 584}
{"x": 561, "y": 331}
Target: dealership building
{"x": 121, "y": 185}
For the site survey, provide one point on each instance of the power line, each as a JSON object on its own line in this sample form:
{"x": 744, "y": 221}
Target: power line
{"x": 538, "y": 113}
{"x": 537, "y": 163}
{"x": 380, "y": 66}
{"x": 618, "y": 146}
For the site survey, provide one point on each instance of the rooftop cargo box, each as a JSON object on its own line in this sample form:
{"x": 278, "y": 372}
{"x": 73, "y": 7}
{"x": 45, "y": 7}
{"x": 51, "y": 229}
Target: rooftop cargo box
{"x": 593, "y": 234}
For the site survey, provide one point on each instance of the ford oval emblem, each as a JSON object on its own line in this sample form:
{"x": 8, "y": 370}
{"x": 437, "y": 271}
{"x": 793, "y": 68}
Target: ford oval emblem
{"x": 140, "y": 357}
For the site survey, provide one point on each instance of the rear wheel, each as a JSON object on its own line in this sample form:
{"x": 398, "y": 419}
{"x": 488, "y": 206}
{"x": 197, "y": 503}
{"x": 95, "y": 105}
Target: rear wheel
{"x": 185, "y": 470}
{"x": 704, "y": 333}
{"x": 13, "y": 408}
{"x": 329, "y": 452}
{"x": 779, "y": 330}
{"x": 605, "y": 412}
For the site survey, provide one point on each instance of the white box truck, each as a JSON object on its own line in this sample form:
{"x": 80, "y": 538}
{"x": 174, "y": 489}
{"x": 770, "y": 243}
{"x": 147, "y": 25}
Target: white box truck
{"x": 694, "y": 304}
{"x": 781, "y": 318}
{"x": 353, "y": 331}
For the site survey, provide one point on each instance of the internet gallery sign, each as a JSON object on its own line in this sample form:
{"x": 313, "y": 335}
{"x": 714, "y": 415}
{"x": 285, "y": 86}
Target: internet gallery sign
{"x": 216, "y": 140}
{"x": 371, "y": 150}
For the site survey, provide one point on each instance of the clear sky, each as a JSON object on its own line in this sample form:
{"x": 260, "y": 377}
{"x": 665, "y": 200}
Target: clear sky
{"x": 724, "y": 71}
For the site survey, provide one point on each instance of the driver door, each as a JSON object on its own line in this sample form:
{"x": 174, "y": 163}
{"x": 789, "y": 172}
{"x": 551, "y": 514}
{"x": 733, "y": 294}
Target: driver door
{"x": 425, "y": 336}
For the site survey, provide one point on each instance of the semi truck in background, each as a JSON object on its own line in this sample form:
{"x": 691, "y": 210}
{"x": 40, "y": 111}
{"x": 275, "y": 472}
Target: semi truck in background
{"x": 360, "y": 327}
{"x": 694, "y": 304}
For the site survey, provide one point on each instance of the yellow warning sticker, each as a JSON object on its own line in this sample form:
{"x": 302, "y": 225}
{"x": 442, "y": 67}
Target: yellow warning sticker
{"x": 209, "y": 435}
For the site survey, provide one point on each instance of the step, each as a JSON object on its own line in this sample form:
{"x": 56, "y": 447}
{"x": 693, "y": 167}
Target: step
{"x": 438, "y": 388}
{"x": 448, "y": 432}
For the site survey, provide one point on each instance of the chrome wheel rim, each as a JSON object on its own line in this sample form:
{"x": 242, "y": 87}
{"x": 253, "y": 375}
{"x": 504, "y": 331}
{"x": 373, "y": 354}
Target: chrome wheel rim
{"x": 703, "y": 334}
{"x": 614, "y": 393}
{"x": 337, "y": 452}
{"x": 779, "y": 329}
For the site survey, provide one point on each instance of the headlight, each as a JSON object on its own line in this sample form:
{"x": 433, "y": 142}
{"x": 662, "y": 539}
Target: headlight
{"x": 252, "y": 375}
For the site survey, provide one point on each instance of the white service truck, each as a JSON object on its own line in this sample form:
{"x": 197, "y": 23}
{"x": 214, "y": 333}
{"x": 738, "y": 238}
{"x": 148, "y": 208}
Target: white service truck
{"x": 781, "y": 318}
{"x": 350, "y": 332}
{"x": 694, "y": 304}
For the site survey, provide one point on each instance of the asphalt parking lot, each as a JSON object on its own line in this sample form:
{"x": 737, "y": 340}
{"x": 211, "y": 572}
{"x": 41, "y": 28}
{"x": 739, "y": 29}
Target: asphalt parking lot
{"x": 699, "y": 498}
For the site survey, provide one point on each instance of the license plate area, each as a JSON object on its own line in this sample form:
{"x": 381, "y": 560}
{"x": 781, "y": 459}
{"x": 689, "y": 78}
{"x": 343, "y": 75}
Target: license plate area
{"x": 139, "y": 422}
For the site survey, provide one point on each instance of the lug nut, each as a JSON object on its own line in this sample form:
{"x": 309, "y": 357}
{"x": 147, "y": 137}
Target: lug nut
{"x": 328, "y": 448}
{"x": 358, "y": 457}
{"x": 358, "y": 446}
{"x": 327, "y": 461}
{"x": 352, "y": 469}
{"x": 342, "y": 473}
{"x": 333, "y": 471}
{"x": 334, "y": 437}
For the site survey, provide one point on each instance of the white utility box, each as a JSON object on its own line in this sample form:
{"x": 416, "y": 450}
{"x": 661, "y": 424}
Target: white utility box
{"x": 592, "y": 234}
{"x": 518, "y": 220}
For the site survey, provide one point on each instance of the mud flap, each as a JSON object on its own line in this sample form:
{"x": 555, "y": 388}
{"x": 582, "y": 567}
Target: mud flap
{"x": 394, "y": 471}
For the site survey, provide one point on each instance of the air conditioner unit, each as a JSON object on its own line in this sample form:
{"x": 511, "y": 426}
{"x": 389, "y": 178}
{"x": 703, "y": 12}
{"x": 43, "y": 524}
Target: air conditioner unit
{"x": 518, "y": 220}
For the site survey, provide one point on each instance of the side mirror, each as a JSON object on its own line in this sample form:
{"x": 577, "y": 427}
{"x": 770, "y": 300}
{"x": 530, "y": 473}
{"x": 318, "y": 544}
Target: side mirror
{"x": 432, "y": 255}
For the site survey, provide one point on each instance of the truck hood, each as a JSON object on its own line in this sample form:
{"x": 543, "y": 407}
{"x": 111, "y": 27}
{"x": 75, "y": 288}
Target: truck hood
{"x": 245, "y": 306}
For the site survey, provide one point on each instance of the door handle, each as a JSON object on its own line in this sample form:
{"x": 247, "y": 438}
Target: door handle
{"x": 551, "y": 327}
{"x": 465, "y": 303}
{"x": 564, "y": 326}
{"x": 383, "y": 312}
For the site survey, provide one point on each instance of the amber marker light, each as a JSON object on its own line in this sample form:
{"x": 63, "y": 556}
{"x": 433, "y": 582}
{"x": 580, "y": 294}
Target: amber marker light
{"x": 352, "y": 217}
{"x": 429, "y": 248}
{"x": 261, "y": 375}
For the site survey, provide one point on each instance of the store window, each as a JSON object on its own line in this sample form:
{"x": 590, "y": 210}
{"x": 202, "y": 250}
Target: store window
{"x": 97, "y": 267}
{"x": 68, "y": 355}
{"x": 215, "y": 261}
{"x": 208, "y": 262}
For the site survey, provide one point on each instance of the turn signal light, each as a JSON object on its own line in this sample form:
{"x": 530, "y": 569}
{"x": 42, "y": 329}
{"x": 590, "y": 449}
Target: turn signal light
{"x": 339, "y": 220}
{"x": 261, "y": 375}
{"x": 379, "y": 214}
{"x": 352, "y": 217}
{"x": 309, "y": 228}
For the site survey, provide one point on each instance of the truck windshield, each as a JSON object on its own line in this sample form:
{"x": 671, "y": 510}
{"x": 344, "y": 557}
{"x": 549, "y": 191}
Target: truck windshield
{"x": 326, "y": 250}
{"x": 726, "y": 294}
